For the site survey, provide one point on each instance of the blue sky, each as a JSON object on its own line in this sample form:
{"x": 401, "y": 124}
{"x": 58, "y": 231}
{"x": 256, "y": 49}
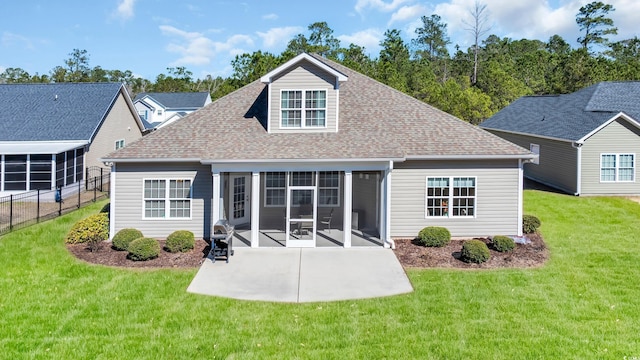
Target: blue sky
{"x": 147, "y": 36}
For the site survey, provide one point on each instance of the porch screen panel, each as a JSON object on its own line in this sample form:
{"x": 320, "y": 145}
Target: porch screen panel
{"x": 15, "y": 172}
{"x": 79, "y": 164}
{"x": 70, "y": 166}
{"x": 60, "y": 160}
{"x": 329, "y": 188}
{"x": 275, "y": 184}
{"x": 40, "y": 172}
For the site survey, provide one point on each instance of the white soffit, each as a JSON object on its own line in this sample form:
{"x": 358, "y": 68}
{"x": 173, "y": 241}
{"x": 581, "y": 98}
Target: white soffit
{"x": 38, "y": 147}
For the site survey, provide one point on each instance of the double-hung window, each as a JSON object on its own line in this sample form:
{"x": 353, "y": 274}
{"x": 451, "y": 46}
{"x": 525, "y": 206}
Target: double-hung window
{"x": 617, "y": 167}
{"x": 303, "y": 108}
{"x": 167, "y": 198}
{"x": 119, "y": 144}
{"x": 451, "y": 196}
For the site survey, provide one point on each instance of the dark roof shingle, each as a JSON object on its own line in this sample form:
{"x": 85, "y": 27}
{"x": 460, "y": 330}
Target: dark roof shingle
{"x": 54, "y": 112}
{"x": 569, "y": 116}
{"x": 177, "y": 100}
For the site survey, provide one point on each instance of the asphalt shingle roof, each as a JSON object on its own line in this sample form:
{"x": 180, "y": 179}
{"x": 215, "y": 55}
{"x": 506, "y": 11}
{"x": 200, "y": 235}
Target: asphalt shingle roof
{"x": 569, "y": 116}
{"x": 54, "y": 112}
{"x": 177, "y": 100}
{"x": 375, "y": 122}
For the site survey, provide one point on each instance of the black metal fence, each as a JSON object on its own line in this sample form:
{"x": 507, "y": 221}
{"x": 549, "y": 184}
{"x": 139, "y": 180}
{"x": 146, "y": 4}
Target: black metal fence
{"x": 28, "y": 208}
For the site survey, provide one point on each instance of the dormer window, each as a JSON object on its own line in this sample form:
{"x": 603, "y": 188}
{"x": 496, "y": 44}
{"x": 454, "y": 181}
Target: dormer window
{"x": 303, "y": 108}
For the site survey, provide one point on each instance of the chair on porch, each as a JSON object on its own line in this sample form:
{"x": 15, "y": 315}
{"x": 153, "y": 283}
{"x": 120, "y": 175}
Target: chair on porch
{"x": 326, "y": 221}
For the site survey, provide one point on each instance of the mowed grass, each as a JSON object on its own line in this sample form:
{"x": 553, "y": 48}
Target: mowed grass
{"x": 584, "y": 303}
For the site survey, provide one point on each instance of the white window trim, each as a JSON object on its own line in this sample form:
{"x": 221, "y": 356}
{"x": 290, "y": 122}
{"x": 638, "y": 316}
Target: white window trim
{"x": 284, "y": 188}
{"x": 118, "y": 142}
{"x": 303, "y": 110}
{"x": 167, "y": 199}
{"x": 450, "y": 199}
{"x": 617, "y": 168}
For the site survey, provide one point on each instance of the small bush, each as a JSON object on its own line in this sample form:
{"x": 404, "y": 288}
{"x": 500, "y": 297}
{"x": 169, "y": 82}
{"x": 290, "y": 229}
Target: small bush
{"x": 530, "y": 224}
{"x": 503, "y": 243}
{"x": 475, "y": 251}
{"x": 91, "y": 230}
{"x": 144, "y": 249}
{"x": 124, "y": 237}
{"x": 106, "y": 208}
{"x": 434, "y": 236}
{"x": 180, "y": 241}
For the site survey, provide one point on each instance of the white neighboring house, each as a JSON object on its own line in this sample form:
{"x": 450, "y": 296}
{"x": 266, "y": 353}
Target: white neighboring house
{"x": 159, "y": 109}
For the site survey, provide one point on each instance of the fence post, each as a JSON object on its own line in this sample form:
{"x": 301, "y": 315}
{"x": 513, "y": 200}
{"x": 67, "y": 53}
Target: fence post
{"x": 79, "y": 193}
{"x": 38, "y": 208}
{"x": 10, "y": 212}
{"x": 95, "y": 180}
{"x": 101, "y": 179}
{"x": 86, "y": 176}
{"x": 60, "y": 202}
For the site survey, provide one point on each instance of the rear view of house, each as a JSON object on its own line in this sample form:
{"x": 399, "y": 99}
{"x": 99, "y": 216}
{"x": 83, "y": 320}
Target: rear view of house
{"x": 587, "y": 141}
{"x": 50, "y": 133}
{"x": 316, "y": 154}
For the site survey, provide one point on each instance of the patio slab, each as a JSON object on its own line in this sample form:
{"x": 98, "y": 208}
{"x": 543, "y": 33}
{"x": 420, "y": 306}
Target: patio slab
{"x": 303, "y": 275}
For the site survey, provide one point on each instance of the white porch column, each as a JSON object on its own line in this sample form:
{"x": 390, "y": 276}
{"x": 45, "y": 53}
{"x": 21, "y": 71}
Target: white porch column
{"x": 348, "y": 206}
{"x": 385, "y": 227}
{"x": 215, "y": 198}
{"x": 520, "y": 195}
{"x": 255, "y": 209}
{"x": 112, "y": 201}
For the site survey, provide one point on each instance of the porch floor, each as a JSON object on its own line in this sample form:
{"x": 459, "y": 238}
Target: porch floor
{"x": 326, "y": 239}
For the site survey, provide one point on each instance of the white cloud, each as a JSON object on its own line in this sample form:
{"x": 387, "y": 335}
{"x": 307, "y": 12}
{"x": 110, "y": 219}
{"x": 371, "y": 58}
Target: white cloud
{"x": 124, "y": 10}
{"x": 9, "y": 39}
{"x": 407, "y": 13}
{"x": 379, "y": 5}
{"x": 276, "y": 37}
{"x": 271, "y": 16}
{"x": 196, "y": 49}
{"x": 369, "y": 39}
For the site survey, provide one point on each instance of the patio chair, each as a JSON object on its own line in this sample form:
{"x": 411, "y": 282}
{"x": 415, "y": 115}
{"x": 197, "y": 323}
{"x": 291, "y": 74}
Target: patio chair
{"x": 326, "y": 221}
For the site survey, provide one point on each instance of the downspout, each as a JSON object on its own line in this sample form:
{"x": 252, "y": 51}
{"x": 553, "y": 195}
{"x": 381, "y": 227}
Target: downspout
{"x": 578, "y": 147}
{"x": 388, "y": 241}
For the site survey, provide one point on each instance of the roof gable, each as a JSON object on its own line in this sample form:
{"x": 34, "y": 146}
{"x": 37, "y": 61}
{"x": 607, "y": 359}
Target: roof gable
{"x": 304, "y": 56}
{"x": 55, "y": 112}
{"x": 377, "y": 122}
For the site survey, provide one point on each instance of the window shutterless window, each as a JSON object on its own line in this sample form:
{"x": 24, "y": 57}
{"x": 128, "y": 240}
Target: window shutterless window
{"x": 167, "y": 198}
{"x": 450, "y": 197}
{"x": 303, "y": 108}
{"x": 617, "y": 167}
{"x": 119, "y": 144}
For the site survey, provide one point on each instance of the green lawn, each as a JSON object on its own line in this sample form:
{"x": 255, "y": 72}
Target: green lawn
{"x": 584, "y": 303}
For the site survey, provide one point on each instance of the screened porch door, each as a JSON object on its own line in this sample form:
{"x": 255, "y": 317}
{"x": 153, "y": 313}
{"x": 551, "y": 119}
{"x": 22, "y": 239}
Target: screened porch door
{"x": 240, "y": 199}
{"x": 301, "y": 216}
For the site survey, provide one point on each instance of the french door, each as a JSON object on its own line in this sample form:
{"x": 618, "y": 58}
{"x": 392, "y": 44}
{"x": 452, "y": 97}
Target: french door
{"x": 239, "y": 199}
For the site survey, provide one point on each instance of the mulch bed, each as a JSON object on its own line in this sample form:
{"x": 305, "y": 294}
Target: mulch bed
{"x": 413, "y": 255}
{"x": 408, "y": 251}
{"x": 106, "y": 255}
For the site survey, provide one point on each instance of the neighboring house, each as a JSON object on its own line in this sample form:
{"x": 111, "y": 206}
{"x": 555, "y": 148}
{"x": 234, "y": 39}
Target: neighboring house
{"x": 161, "y": 109}
{"x": 315, "y": 153}
{"x": 49, "y": 133}
{"x": 588, "y": 141}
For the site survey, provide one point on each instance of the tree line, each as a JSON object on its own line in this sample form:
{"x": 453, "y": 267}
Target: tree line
{"x": 471, "y": 83}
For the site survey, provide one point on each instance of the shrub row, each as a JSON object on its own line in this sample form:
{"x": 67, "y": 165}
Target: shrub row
{"x": 141, "y": 248}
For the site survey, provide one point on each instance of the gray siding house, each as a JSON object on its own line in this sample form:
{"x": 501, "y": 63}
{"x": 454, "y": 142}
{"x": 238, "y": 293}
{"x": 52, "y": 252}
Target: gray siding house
{"x": 315, "y": 154}
{"x": 49, "y": 133}
{"x": 587, "y": 141}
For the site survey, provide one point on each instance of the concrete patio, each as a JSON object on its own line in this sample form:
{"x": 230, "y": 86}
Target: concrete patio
{"x": 303, "y": 275}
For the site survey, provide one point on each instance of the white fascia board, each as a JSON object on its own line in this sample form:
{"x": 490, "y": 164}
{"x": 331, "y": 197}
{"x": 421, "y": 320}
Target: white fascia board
{"x": 352, "y": 165}
{"x": 617, "y": 116}
{"x": 147, "y": 160}
{"x": 39, "y": 147}
{"x": 471, "y": 157}
{"x": 303, "y": 56}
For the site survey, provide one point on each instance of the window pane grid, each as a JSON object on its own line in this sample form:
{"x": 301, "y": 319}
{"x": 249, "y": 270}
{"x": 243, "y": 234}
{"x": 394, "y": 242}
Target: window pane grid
{"x": 617, "y": 167}
{"x": 450, "y": 197}
{"x": 176, "y": 194}
{"x": 275, "y": 188}
{"x": 294, "y": 106}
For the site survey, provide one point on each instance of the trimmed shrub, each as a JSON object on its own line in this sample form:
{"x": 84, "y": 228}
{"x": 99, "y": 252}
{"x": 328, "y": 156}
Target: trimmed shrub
{"x": 144, "y": 249}
{"x": 180, "y": 241}
{"x": 530, "y": 224}
{"x": 106, "y": 208}
{"x": 124, "y": 237}
{"x": 475, "y": 251}
{"x": 91, "y": 230}
{"x": 434, "y": 236}
{"x": 503, "y": 243}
